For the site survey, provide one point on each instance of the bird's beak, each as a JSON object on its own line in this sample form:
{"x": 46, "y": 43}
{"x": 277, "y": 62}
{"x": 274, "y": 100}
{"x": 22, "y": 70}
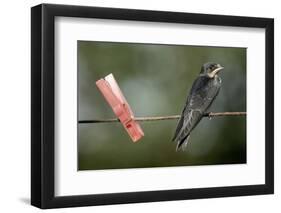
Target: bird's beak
{"x": 215, "y": 71}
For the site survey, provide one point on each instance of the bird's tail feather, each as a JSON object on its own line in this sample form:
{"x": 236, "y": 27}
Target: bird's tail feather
{"x": 182, "y": 144}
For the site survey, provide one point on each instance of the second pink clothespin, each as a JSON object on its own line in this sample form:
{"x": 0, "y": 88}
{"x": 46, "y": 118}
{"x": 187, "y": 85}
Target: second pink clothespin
{"x": 115, "y": 98}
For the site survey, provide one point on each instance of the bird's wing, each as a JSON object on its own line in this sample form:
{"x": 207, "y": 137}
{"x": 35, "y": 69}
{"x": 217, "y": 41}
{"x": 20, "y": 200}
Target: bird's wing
{"x": 202, "y": 95}
{"x": 179, "y": 125}
{"x": 190, "y": 120}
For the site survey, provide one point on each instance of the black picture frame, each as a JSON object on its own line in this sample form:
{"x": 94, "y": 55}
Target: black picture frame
{"x": 43, "y": 101}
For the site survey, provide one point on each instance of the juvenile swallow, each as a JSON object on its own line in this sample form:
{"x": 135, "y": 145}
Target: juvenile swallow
{"x": 203, "y": 92}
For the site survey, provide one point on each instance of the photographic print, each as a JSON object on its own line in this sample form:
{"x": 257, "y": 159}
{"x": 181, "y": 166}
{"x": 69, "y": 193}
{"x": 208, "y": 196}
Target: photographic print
{"x": 189, "y": 103}
{"x": 124, "y": 102}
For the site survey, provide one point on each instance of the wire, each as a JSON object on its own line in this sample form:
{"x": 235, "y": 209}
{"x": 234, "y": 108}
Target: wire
{"x": 158, "y": 118}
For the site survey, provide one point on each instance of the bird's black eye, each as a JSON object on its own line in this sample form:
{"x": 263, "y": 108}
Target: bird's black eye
{"x": 213, "y": 66}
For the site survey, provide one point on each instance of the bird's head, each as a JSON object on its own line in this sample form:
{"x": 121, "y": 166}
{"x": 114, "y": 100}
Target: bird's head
{"x": 210, "y": 69}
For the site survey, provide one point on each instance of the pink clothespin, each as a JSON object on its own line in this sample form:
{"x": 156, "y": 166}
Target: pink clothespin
{"x": 115, "y": 98}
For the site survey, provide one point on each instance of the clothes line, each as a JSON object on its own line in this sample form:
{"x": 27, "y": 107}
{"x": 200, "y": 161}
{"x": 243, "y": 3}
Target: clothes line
{"x": 158, "y": 118}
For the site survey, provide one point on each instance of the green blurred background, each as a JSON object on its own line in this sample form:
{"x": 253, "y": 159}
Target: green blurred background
{"x": 156, "y": 80}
